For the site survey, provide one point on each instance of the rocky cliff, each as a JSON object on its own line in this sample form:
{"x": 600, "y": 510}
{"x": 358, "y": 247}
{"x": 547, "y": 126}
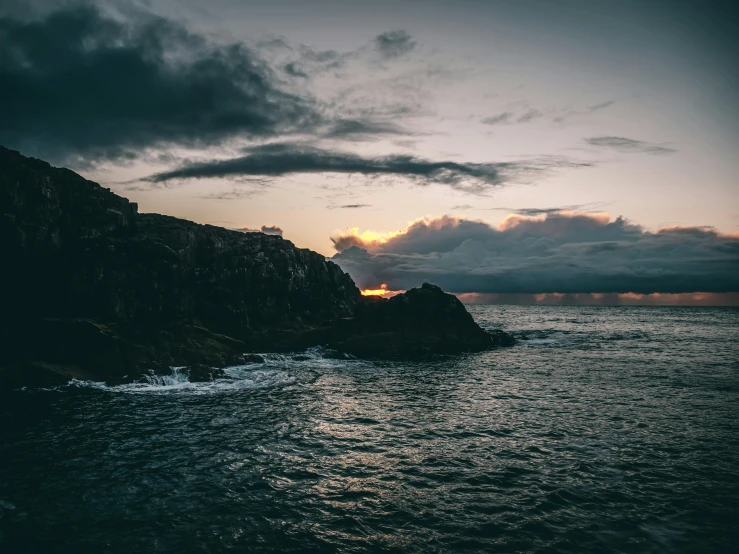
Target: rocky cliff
{"x": 93, "y": 289}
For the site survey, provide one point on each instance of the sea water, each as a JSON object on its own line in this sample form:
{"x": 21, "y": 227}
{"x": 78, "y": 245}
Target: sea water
{"x": 602, "y": 430}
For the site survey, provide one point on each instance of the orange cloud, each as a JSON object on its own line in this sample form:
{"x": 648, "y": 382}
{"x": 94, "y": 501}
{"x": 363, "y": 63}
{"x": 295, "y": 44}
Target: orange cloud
{"x": 368, "y": 239}
{"x": 371, "y": 240}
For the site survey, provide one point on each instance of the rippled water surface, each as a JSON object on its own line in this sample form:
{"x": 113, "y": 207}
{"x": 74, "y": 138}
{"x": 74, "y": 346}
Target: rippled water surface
{"x": 603, "y": 430}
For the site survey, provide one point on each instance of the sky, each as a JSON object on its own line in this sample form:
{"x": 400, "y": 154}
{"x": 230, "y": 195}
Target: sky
{"x": 532, "y": 149}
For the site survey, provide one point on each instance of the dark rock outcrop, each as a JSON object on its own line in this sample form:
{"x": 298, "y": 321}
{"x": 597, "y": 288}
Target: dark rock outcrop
{"x": 200, "y": 373}
{"x": 501, "y": 338}
{"x": 420, "y": 321}
{"x": 93, "y": 289}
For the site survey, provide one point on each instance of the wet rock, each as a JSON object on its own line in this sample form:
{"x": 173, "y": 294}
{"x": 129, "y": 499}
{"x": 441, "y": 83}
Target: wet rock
{"x": 201, "y": 373}
{"x": 501, "y": 338}
{"x": 243, "y": 359}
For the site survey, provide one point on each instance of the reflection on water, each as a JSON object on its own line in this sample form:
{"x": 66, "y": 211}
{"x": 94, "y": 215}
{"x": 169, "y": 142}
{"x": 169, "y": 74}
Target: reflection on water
{"x": 604, "y": 429}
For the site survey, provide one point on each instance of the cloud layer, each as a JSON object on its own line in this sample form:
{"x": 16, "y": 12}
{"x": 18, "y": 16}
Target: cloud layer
{"x": 608, "y": 299}
{"x": 277, "y": 159}
{"x": 394, "y": 44}
{"x": 83, "y": 83}
{"x": 561, "y": 252}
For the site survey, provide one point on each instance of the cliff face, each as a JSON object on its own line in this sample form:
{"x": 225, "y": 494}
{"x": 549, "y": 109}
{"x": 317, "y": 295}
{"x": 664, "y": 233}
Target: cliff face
{"x": 82, "y": 264}
{"x": 79, "y": 250}
{"x": 92, "y": 289}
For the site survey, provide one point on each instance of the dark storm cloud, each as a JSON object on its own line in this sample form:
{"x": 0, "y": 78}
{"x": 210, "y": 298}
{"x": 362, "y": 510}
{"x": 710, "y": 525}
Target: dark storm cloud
{"x": 562, "y": 253}
{"x": 394, "y": 44}
{"x": 79, "y": 82}
{"x": 627, "y": 145}
{"x": 277, "y": 159}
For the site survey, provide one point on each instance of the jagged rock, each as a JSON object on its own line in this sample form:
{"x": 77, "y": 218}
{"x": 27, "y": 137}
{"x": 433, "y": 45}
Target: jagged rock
{"x": 420, "y": 321}
{"x": 200, "y": 373}
{"x": 501, "y": 338}
{"x": 241, "y": 359}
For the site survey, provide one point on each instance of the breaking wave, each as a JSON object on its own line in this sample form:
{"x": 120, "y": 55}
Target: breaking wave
{"x": 276, "y": 370}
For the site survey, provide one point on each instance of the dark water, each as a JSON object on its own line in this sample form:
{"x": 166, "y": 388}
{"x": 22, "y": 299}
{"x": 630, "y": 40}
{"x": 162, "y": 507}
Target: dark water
{"x": 608, "y": 430}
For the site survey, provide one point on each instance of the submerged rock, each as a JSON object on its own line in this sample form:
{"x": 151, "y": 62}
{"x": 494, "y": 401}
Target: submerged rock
{"x": 95, "y": 290}
{"x": 501, "y": 338}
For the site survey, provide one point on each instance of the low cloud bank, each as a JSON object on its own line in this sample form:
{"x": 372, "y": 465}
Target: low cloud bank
{"x": 564, "y": 252}
{"x": 611, "y": 299}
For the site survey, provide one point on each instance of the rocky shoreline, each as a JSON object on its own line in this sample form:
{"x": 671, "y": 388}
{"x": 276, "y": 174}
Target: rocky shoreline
{"x": 95, "y": 290}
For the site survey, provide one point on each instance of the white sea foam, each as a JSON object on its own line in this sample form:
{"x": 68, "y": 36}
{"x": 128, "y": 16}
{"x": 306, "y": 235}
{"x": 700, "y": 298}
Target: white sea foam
{"x": 238, "y": 378}
{"x": 276, "y": 370}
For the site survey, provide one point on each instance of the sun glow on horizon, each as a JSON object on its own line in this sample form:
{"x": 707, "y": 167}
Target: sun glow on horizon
{"x": 382, "y": 292}
{"x": 375, "y": 292}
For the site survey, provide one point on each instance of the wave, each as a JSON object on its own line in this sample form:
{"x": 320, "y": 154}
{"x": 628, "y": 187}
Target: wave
{"x": 237, "y": 378}
{"x": 541, "y": 341}
{"x": 541, "y": 338}
{"x": 276, "y": 370}
{"x": 571, "y": 338}
{"x": 627, "y": 335}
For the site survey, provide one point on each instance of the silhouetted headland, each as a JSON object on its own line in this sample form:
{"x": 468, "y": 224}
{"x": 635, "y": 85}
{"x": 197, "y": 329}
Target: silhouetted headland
{"x": 95, "y": 290}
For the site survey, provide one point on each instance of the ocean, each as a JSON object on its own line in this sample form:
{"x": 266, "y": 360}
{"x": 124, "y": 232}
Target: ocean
{"x": 605, "y": 429}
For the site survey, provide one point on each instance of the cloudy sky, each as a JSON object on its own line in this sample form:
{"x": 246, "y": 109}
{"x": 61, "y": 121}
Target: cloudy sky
{"x": 492, "y": 147}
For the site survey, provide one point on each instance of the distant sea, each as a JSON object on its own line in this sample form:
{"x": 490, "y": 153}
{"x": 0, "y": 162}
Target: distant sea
{"x": 602, "y": 430}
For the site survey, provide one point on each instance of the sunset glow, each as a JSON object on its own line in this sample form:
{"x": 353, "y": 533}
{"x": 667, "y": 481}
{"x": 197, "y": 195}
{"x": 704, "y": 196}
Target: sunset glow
{"x": 382, "y": 291}
{"x": 375, "y": 292}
